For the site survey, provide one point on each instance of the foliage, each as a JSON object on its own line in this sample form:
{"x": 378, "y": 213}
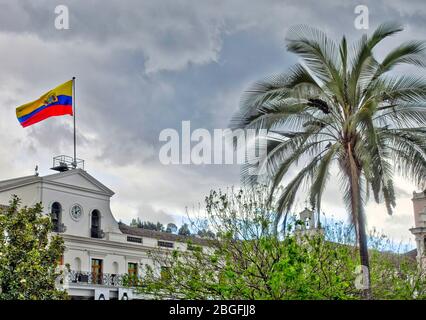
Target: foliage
{"x": 205, "y": 233}
{"x": 342, "y": 107}
{"x": 29, "y": 256}
{"x": 248, "y": 260}
{"x": 171, "y": 228}
{"x": 147, "y": 225}
{"x": 184, "y": 230}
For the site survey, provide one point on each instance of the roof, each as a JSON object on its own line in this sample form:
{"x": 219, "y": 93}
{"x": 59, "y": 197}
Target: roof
{"x": 135, "y": 231}
{"x": 17, "y": 182}
{"x": 412, "y": 254}
{"x": 83, "y": 173}
{"x": 10, "y": 183}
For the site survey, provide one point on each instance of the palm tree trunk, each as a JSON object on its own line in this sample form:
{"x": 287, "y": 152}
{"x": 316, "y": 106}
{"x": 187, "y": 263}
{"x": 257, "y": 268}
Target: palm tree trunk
{"x": 354, "y": 173}
{"x": 363, "y": 251}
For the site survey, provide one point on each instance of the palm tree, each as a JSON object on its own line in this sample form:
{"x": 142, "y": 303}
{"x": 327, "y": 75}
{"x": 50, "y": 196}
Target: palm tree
{"x": 341, "y": 106}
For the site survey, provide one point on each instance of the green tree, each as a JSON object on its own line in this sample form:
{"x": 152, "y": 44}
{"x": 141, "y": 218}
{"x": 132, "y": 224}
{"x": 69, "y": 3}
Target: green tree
{"x": 137, "y": 223}
{"x": 341, "y": 106}
{"x": 248, "y": 260}
{"x": 147, "y": 225}
{"x": 184, "y": 230}
{"x": 29, "y": 255}
{"x": 171, "y": 228}
{"x": 203, "y": 233}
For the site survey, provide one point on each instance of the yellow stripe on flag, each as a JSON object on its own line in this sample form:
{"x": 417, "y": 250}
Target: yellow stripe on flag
{"x": 63, "y": 89}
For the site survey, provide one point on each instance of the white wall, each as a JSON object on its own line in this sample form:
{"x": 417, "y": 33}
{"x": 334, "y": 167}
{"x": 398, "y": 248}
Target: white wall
{"x": 29, "y": 195}
{"x": 87, "y": 201}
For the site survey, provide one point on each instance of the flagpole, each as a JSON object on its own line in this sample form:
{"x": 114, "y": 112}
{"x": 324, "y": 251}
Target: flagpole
{"x": 75, "y": 135}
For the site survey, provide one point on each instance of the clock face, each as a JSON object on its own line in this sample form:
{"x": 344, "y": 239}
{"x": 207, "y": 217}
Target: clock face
{"x": 76, "y": 212}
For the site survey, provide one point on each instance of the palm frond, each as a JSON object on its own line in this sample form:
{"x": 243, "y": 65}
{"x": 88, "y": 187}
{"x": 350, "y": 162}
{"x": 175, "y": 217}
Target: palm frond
{"x": 363, "y": 61}
{"x": 411, "y": 52}
{"x": 318, "y": 52}
{"x": 321, "y": 177}
{"x": 286, "y": 200}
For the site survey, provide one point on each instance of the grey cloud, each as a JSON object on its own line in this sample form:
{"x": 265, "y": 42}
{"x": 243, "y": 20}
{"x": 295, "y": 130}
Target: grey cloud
{"x": 148, "y": 213}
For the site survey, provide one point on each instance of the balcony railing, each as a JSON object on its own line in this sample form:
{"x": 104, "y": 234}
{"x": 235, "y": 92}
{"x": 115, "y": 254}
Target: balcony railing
{"x": 59, "y": 227}
{"x": 97, "y": 233}
{"x": 92, "y": 278}
{"x": 102, "y": 279}
{"x": 64, "y": 163}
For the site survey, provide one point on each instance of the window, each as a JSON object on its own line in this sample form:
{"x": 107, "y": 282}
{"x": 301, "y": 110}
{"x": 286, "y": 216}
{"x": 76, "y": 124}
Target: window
{"x": 115, "y": 279}
{"x": 77, "y": 264}
{"x": 134, "y": 239}
{"x": 165, "y": 244}
{"x": 97, "y": 275}
{"x": 55, "y": 215}
{"x": 133, "y": 269}
{"x": 133, "y": 273}
{"x": 95, "y": 229}
{"x": 115, "y": 267}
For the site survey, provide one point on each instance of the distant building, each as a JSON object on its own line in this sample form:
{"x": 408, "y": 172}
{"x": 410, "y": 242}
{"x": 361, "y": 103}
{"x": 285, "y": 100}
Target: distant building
{"x": 419, "y": 231}
{"x": 99, "y": 250}
{"x": 307, "y": 224}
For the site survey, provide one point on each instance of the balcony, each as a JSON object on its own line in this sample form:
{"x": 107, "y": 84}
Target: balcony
{"x": 64, "y": 163}
{"x": 59, "y": 228}
{"x": 97, "y": 233}
{"x": 90, "y": 278}
{"x": 102, "y": 279}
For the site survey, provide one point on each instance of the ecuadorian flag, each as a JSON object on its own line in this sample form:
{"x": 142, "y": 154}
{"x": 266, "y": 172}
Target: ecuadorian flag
{"x": 56, "y": 102}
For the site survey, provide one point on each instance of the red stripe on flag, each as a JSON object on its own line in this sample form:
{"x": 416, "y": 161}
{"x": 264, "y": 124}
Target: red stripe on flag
{"x": 55, "y": 110}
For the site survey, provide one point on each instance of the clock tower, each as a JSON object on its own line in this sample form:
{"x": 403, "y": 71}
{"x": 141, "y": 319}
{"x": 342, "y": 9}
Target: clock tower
{"x": 78, "y": 203}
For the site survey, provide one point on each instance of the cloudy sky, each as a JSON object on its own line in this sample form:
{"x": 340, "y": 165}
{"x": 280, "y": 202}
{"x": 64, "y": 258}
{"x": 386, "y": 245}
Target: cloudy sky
{"x": 143, "y": 66}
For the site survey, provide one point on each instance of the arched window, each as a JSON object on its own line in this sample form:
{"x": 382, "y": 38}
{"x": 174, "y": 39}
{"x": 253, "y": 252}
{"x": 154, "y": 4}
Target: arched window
{"x": 115, "y": 275}
{"x": 77, "y": 264}
{"x": 96, "y": 231}
{"x": 55, "y": 215}
{"x": 115, "y": 267}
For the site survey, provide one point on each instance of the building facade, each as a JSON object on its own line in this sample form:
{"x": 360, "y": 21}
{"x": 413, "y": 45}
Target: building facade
{"x": 99, "y": 250}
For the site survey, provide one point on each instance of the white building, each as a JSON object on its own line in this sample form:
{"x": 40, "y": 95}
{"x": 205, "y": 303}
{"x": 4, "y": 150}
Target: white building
{"x": 99, "y": 250}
